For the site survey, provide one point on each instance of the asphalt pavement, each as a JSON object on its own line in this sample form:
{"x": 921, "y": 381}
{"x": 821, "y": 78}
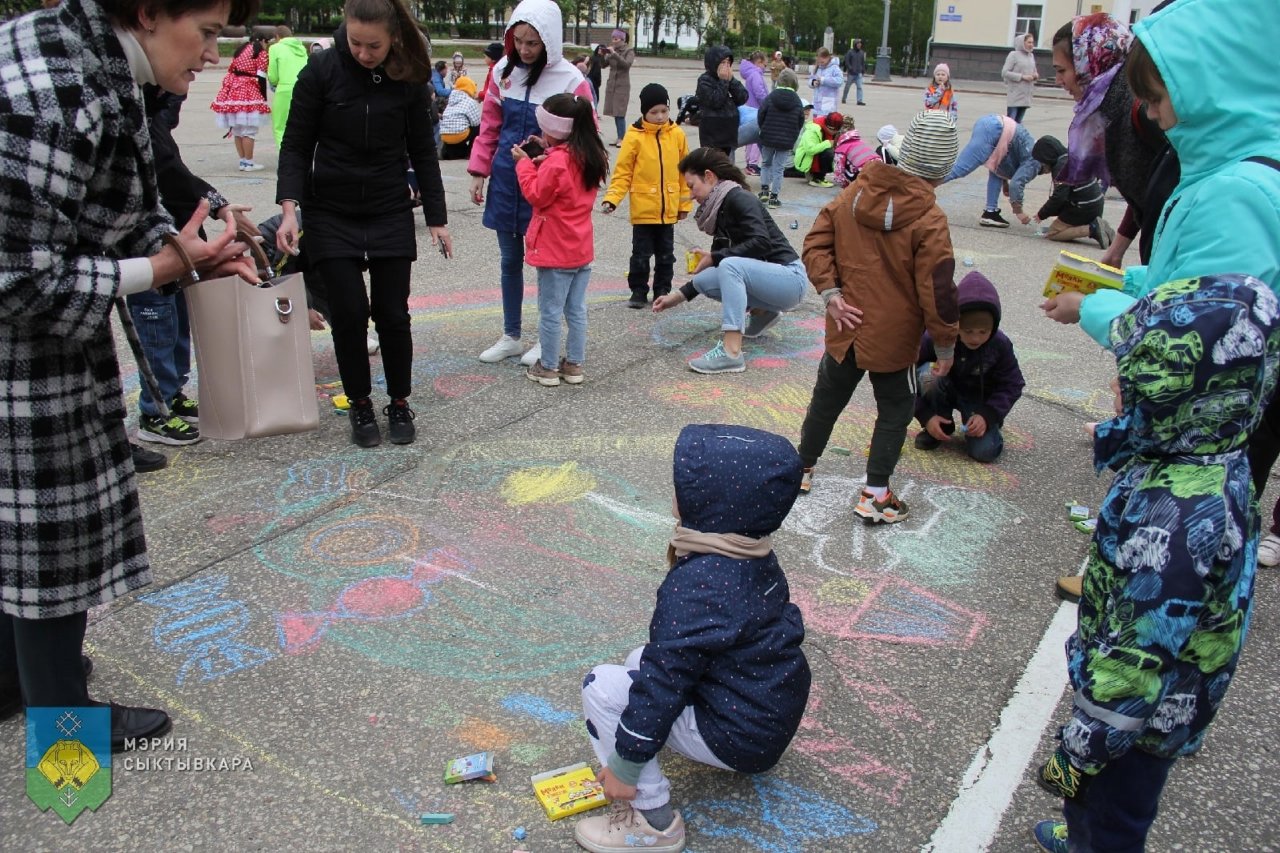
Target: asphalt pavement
{"x": 339, "y": 623}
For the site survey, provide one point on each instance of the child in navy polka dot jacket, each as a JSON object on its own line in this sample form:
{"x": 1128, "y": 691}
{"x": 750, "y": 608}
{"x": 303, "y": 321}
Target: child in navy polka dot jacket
{"x": 722, "y": 680}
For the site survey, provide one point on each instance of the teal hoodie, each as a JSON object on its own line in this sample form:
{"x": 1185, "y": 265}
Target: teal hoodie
{"x": 1224, "y": 215}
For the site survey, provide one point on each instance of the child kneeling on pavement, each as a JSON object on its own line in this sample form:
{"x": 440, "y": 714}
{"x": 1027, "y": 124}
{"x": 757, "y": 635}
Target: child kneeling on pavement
{"x": 1169, "y": 577}
{"x": 984, "y": 381}
{"x": 722, "y": 680}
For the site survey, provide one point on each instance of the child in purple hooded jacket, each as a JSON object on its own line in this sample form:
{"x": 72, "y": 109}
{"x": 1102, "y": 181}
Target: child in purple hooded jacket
{"x": 983, "y": 384}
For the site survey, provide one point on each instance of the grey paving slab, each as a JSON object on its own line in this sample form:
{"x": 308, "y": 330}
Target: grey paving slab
{"x": 346, "y": 621}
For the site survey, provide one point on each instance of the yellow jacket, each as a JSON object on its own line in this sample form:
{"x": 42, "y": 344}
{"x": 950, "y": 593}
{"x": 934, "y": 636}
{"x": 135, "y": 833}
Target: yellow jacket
{"x": 649, "y": 169}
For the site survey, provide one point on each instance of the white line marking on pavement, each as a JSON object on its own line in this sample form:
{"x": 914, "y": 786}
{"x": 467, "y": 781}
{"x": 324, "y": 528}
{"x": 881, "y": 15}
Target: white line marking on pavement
{"x": 987, "y": 788}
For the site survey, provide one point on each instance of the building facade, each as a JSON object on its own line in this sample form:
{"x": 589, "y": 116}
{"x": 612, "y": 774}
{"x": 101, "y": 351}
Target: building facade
{"x": 974, "y": 36}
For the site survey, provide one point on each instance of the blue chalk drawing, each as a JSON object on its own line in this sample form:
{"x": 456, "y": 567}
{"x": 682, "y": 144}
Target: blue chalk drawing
{"x": 538, "y": 708}
{"x": 797, "y": 814}
{"x": 204, "y": 626}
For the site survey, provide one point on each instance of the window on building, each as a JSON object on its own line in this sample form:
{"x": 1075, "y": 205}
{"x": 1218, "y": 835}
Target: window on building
{"x": 1133, "y": 16}
{"x": 1029, "y": 19}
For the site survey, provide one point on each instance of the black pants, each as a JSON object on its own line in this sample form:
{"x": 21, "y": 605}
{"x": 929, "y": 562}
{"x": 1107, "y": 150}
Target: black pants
{"x": 43, "y": 656}
{"x": 658, "y": 241}
{"x": 895, "y": 395}
{"x": 823, "y": 162}
{"x": 350, "y": 308}
{"x": 1264, "y": 446}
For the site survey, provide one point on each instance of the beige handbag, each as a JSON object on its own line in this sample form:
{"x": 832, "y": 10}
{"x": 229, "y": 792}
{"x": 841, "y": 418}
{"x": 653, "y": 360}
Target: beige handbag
{"x": 253, "y": 350}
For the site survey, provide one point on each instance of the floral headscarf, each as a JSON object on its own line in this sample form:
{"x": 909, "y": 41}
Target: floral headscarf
{"x": 1099, "y": 46}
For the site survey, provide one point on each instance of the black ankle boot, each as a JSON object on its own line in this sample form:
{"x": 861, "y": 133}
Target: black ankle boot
{"x": 364, "y": 423}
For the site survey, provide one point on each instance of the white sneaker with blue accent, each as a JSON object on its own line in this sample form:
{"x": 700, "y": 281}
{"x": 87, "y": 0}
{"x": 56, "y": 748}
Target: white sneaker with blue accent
{"x": 718, "y": 360}
{"x": 625, "y": 828}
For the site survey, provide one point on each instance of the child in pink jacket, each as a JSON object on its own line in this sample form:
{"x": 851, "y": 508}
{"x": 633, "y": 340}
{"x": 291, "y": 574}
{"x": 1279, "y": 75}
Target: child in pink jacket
{"x": 560, "y": 174}
{"x": 851, "y": 153}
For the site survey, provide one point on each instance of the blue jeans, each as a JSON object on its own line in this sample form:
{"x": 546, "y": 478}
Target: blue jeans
{"x": 851, "y": 80}
{"x": 939, "y": 397}
{"x": 739, "y": 284}
{"x": 563, "y": 293}
{"x": 620, "y": 125}
{"x": 166, "y": 342}
{"x": 748, "y": 136}
{"x": 986, "y": 135}
{"x": 1016, "y": 113}
{"x": 511, "y": 249}
{"x": 773, "y": 162}
{"x": 1117, "y": 807}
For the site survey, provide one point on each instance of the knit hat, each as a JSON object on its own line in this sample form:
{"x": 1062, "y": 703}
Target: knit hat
{"x": 466, "y": 84}
{"x": 930, "y": 147}
{"x": 886, "y": 134}
{"x": 457, "y": 54}
{"x": 619, "y": 34}
{"x": 834, "y": 121}
{"x": 1047, "y": 150}
{"x": 653, "y": 95}
{"x": 494, "y": 50}
{"x": 942, "y": 66}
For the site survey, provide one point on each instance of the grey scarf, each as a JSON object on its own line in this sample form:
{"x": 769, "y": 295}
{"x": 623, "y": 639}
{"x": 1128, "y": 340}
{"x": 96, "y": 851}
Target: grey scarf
{"x": 707, "y": 212}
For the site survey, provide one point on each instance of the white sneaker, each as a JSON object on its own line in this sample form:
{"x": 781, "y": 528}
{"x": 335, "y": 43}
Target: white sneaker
{"x": 624, "y": 828}
{"x": 1269, "y": 550}
{"x": 534, "y": 354}
{"x": 250, "y": 166}
{"x": 371, "y": 342}
{"x": 506, "y": 347}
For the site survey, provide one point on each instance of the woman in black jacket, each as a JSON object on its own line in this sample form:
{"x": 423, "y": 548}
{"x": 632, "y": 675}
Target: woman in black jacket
{"x": 356, "y": 110}
{"x": 751, "y": 268}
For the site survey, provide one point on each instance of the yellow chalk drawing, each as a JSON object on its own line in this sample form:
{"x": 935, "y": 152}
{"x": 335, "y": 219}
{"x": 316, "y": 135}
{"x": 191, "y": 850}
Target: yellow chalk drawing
{"x": 560, "y": 485}
{"x": 843, "y": 591}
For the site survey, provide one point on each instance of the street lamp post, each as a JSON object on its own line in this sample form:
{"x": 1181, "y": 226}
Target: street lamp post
{"x": 882, "y": 55}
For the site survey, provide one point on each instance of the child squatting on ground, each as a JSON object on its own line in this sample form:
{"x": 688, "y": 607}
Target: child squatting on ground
{"x": 880, "y": 255}
{"x": 1168, "y": 582}
{"x": 648, "y": 171}
{"x": 984, "y": 382}
{"x": 723, "y": 679}
{"x": 561, "y": 186}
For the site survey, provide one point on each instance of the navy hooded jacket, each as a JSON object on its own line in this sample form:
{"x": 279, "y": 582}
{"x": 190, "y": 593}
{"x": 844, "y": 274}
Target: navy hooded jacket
{"x": 725, "y": 637}
{"x": 988, "y": 376}
{"x": 718, "y": 102}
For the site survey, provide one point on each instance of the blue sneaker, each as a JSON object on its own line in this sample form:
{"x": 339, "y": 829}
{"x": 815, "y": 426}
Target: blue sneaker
{"x": 758, "y": 324}
{"x": 1051, "y": 835}
{"x": 716, "y": 360}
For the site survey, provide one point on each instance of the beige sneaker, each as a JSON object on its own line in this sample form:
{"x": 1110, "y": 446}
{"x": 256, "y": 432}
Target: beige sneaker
{"x": 1069, "y": 588}
{"x": 624, "y": 828}
{"x": 571, "y": 373}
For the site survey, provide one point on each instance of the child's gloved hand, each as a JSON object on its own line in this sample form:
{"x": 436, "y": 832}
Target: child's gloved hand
{"x": 1059, "y": 777}
{"x": 608, "y": 207}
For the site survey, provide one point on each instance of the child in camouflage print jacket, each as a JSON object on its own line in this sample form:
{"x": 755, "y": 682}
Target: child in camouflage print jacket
{"x": 1169, "y": 580}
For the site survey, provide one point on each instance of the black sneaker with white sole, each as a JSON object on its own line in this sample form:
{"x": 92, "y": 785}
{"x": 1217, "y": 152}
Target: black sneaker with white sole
{"x": 185, "y": 408}
{"x": 158, "y": 430}
{"x": 145, "y": 461}
{"x": 993, "y": 219}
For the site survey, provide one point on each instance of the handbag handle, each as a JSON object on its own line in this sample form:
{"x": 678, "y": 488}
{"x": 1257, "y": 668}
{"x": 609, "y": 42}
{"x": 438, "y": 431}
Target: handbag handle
{"x": 259, "y": 255}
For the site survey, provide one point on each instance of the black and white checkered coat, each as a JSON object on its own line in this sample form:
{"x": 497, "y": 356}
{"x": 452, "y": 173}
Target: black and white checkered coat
{"x": 77, "y": 193}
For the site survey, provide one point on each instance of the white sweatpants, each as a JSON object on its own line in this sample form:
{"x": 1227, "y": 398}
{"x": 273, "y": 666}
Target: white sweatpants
{"x": 604, "y": 698}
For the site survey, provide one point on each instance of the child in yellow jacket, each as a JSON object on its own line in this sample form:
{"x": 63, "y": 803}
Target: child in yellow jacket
{"x": 648, "y": 169}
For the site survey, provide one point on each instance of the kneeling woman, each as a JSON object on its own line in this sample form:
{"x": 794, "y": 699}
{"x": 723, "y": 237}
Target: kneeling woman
{"x": 751, "y": 266}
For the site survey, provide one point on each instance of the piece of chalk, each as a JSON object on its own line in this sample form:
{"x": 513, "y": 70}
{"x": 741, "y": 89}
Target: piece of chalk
{"x": 519, "y": 833}
{"x": 446, "y": 817}
{"x": 840, "y": 451}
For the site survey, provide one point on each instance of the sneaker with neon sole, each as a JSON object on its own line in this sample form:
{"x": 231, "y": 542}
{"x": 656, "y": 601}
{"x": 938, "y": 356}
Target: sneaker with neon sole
{"x": 159, "y": 430}
{"x": 1051, "y": 835}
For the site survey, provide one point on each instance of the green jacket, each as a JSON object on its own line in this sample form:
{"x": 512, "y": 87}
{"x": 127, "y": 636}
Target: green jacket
{"x": 810, "y": 144}
{"x": 285, "y": 60}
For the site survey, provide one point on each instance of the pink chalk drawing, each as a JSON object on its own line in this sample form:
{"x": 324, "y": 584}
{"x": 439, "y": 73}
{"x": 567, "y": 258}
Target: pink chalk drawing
{"x": 862, "y": 606}
{"x": 376, "y": 599}
{"x": 841, "y": 756}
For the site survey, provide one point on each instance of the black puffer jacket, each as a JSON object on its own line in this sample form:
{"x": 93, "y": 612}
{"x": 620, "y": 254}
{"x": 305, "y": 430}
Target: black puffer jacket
{"x": 718, "y": 102}
{"x": 343, "y": 158}
{"x": 781, "y": 118}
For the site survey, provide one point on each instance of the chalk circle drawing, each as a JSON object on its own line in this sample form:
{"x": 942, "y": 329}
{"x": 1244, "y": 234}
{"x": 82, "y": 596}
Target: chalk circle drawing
{"x": 795, "y": 338}
{"x": 376, "y": 599}
{"x": 203, "y": 626}
{"x": 968, "y": 521}
{"x": 784, "y": 817}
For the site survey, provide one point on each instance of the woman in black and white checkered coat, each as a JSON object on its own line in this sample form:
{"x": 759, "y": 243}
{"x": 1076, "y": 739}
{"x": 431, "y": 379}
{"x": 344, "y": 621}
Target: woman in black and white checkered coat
{"x": 82, "y": 225}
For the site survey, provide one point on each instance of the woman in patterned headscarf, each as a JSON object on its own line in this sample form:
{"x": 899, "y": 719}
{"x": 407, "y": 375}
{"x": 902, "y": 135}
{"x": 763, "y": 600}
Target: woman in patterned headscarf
{"x": 1110, "y": 136}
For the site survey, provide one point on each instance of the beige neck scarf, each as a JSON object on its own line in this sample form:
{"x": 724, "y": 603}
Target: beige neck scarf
{"x": 733, "y": 545}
